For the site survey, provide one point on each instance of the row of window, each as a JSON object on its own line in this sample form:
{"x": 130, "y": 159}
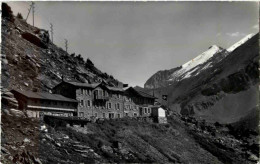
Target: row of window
{"x": 130, "y": 107}
{"x": 88, "y": 103}
{"x": 48, "y": 102}
{"x": 110, "y": 115}
{"x": 85, "y": 91}
{"x": 147, "y": 110}
{"x": 97, "y": 93}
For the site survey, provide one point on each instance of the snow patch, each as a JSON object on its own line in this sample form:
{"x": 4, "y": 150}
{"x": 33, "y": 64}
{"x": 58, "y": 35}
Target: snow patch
{"x": 188, "y": 74}
{"x": 202, "y": 57}
{"x": 239, "y": 43}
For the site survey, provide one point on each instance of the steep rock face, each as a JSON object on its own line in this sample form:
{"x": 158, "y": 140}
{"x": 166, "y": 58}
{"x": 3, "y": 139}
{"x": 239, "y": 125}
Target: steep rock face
{"x": 215, "y": 76}
{"x": 191, "y": 68}
{"x": 160, "y": 78}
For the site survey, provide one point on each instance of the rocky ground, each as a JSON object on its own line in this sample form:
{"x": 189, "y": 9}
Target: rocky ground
{"x": 181, "y": 140}
{"x": 31, "y": 61}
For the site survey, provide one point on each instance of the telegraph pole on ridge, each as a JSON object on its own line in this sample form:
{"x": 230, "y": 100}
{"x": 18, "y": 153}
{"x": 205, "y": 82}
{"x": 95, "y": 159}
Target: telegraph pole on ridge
{"x": 66, "y": 45}
{"x": 28, "y": 12}
{"x": 51, "y": 32}
{"x": 33, "y": 7}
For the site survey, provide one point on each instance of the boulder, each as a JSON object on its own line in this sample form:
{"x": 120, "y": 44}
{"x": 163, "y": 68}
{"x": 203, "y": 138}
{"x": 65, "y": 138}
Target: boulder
{"x": 34, "y": 40}
{"x": 44, "y": 128}
{"x": 16, "y": 113}
{"x": 9, "y": 100}
{"x": 26, "y": 140}
{"x": 253, "y": 157}
{"x": 4, "y": 150}
{"x": 107, "y": 149}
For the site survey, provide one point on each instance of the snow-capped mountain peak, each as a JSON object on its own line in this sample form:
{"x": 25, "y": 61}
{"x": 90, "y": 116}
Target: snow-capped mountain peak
{"x": 193, "y": 65}
{"x": 239, "y": 43}
{"x": 202, "y": 57}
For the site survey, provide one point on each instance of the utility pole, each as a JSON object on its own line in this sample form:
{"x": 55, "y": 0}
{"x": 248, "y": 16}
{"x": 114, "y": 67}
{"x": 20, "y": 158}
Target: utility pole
{"x": 51, "y": 32}
{"x": 33, "y": 7}
{"x": 66, "y": 45}
{"x": 29, "y": 11}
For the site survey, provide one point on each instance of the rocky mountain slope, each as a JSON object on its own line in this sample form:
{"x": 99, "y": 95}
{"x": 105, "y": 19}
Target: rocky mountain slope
{"x": 182, "y": 140}
{"x": 218, "y": 85}
{"x": 31, "y": 61}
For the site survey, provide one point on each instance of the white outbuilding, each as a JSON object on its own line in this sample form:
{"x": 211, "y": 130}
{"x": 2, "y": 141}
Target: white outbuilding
{"x": 159, "y": 114}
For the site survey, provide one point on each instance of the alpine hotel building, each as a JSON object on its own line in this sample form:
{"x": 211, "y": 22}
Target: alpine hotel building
{"x": 103, "y": 101}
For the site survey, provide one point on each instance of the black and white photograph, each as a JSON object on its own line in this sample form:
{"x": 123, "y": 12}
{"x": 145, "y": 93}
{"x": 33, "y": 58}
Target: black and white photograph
{"x": 85, "y": 82}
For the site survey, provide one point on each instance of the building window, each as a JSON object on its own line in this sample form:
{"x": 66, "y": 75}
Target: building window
{"x": 118, "y": 115}
{"x": 81, "y": 114}
{"x": 118, "y": 106}
{"x": 81, "y": 103}
{"x": 145, "y": 110}
{"x": 111, "y": 115}
{"x": 88, "y": 102}
{"x": 149, "y": 110}
{"x": 135, "y": 114}
{"x": 109, "y": 105}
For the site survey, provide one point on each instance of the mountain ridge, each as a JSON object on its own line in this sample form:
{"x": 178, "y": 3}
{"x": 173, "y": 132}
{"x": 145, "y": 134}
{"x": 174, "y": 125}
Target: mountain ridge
{"x": 201, "y": 87}
{"x": 32, "y": 62}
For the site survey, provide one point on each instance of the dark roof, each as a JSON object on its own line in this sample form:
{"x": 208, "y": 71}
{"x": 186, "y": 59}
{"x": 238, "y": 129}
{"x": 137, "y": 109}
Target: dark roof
{"x": 84, "y": 84}
{"x": 94, "y": 85}
{"x": 44, "y": 95}
{"x": 115, "y": 89}
{"x": 142, "y": 93}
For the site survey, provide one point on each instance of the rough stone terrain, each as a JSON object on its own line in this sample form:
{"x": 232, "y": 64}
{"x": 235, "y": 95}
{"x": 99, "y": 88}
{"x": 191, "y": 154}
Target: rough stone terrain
{"x": 182, "y": 140}
{"x": 28, "y": 65}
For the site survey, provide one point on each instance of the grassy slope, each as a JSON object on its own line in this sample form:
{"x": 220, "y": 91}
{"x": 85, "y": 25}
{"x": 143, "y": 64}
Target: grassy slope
{"x": 179, "y": 141}
{"x": 145, "y": 142}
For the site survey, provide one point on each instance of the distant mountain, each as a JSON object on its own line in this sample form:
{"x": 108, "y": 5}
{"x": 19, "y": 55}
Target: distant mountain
{"x": 218, "y": 85}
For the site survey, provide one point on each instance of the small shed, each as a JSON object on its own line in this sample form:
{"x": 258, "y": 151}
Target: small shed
{"x": 159, "y": 114}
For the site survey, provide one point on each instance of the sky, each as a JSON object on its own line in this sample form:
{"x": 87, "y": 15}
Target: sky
{"x": 134, "y": 40}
